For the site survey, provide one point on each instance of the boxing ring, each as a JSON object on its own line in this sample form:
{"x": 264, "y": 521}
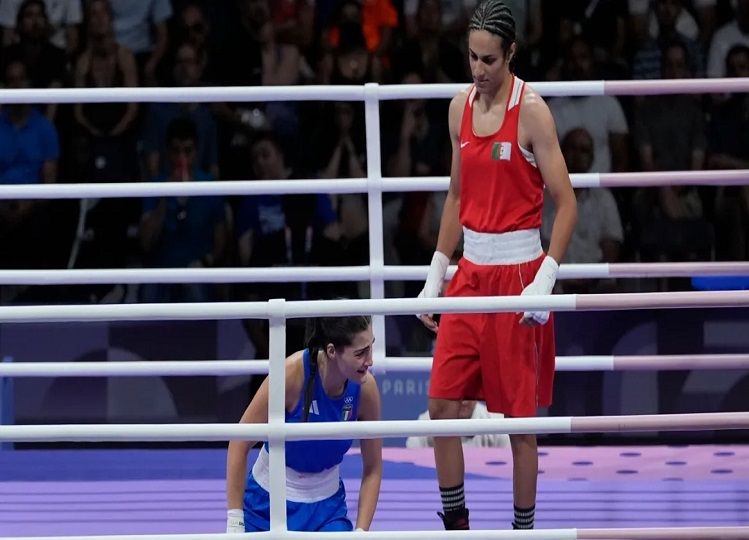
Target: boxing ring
{"x": 607, "y": 494}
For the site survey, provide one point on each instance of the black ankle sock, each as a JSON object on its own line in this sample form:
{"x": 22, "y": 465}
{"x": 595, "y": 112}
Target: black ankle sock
{"x": 453, "y": 499}
{"x": 524, "y": 517}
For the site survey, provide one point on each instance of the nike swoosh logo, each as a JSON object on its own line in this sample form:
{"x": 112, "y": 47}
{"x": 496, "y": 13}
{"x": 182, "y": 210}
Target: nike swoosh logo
{"x": 464, "y": 144}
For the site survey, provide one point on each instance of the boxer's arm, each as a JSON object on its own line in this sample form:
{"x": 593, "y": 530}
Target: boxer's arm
{"x": 538, "y": 125}
{"x": 540, "y": 133}
{"x": 450, "y": 228}
{"x": 257, "y": 413}
{"x": 371, "y": 455}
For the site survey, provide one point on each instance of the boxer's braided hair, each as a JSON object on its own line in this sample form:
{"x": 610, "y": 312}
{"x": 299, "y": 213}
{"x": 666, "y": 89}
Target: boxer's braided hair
{"x": 338, "y": 331}
{"x": 495, "y": 17}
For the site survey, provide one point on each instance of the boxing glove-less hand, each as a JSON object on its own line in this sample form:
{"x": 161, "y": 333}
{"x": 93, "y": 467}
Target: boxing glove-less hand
{"x": 234, "y": 521}
{"x": 543, "y": 284}
{"x": 435, "y": 277}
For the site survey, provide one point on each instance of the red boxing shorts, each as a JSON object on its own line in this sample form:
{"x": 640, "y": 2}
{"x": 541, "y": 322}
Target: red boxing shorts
{"x": 491, "y": 356}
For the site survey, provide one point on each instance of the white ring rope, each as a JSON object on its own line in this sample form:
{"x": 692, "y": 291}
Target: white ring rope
{"x": 183, "y": 189}
{"x": 593, "y": 180}
{"x": 654, "y": 533}
{"x": 387, "y": 306}
{"x": 212, "y": 432}
{"x": 191, "y": 368}
{"x": 737, "y": 177}
{"x": 346, "y": 273}
{"x": 204, "y": 94}
{"x": 277, "y": 311}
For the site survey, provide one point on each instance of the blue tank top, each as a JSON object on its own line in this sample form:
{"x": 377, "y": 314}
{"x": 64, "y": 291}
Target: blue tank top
{"x": 316, "y": 456}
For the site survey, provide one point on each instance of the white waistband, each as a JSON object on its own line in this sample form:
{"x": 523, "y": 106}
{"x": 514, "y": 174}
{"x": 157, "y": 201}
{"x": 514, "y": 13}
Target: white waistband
{"x": 515, "y": 247}
{"x": 300, "y": 487}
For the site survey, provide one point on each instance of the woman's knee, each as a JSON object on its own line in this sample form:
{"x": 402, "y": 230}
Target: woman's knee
{"x": 444, "y": 409}
{"x": 524, "y": 443}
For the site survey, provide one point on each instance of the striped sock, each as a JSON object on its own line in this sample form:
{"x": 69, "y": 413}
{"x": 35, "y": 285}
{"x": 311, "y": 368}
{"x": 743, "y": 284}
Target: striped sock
{"x": 453, "y": 499}
{"x": 524, "y": 517}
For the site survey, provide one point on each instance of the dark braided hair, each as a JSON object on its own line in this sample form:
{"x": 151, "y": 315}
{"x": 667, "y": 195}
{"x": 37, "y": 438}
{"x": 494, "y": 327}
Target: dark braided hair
{"x": 338, "y": 331}
{"x": 495, "y": 17}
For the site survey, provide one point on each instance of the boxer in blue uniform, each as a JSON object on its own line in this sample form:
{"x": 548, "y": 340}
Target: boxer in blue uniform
{"x": 329, "y": 381}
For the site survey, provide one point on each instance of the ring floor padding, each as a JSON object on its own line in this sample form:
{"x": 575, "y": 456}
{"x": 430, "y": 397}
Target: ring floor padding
{"x": 87, "y": 492}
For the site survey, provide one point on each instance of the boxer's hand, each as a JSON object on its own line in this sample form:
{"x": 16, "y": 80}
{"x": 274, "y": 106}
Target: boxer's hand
{"x": 234, "y": 521}
{"x": 433, "y": 286}
{"x": 543, "y": 284}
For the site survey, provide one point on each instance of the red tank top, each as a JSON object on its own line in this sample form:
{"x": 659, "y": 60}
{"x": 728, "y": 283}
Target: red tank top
{"x": 501, "y": 190}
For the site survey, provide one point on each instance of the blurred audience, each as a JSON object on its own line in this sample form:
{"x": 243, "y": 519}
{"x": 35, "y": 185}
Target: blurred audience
{"x": 29, "y": 154}
{"x": 181, "y": 232}
{"x": 248, "y": 43}
{"x": 46, "y": 62}
{"x": 599, "y": 235}
{"x": 728, "y": 147}
{"x": 670, "y": 136}
{"x": 63, "y": 19}
{"x": 105, "y": 63}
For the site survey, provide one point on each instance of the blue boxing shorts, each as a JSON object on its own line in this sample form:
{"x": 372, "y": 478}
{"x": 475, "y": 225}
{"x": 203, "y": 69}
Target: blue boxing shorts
{"x": 312, "y": 505}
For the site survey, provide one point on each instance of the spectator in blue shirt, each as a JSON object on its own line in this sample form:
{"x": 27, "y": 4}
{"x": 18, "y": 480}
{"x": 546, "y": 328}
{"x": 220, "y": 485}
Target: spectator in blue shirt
{"x": 29, "y": 152}
{"x": 180, "y": 232}
{"x": 29, "y": 147}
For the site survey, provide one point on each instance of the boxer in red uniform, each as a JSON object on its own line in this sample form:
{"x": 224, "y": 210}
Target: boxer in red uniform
{"x": 505, "y": 151}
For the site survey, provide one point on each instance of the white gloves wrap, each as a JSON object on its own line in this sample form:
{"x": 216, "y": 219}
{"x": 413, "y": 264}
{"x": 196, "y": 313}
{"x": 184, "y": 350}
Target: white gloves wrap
{"x": 235, "y": 521}
{"x": 543, "y": 284}
{"x": 435, "y": 276}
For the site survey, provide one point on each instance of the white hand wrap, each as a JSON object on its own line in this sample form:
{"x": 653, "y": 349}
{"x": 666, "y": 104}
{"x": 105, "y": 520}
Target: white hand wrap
{"x": 435, "y": 277}
{"x": 359, "y": 530}
{"x": 543, "y": 284}
{"x": 235, "y": 521}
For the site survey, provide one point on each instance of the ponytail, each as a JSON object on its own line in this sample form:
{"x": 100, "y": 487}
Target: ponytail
{"x": 313, "y": 348}
{"x": 310, "y": 383}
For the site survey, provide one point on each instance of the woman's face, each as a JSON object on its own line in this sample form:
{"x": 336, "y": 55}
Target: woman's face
{"x": 33, "y": 22}
{"x": 354, "y": 360}
{"x": 194, "y": 22}
{"x": 267, "y": 161}
{"x": 100, "y": 21}
{"x": 488, "y": 60}
{"x": 187, "y": 69}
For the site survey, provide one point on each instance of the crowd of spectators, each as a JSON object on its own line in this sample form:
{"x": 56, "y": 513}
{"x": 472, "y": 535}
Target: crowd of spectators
{"x": 188, "y": 43}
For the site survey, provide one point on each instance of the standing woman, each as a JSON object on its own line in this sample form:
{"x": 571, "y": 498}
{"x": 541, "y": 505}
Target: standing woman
{"x": 329, "y": 381}
{"x": 505, "y": 152}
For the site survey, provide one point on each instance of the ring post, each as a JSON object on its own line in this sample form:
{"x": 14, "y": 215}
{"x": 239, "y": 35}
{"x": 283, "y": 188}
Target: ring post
{"x": 277, "y": 415}
{"x": 374, "y": 207}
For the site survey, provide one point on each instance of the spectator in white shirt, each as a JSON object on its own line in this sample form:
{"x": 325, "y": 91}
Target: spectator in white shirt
{"x": 727, "y": 36}
{"x": 599, "y": 235}
{"x": 645, "y": 25}
{"x": 601, "y": 116}
{"x": 141, "y": 27}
